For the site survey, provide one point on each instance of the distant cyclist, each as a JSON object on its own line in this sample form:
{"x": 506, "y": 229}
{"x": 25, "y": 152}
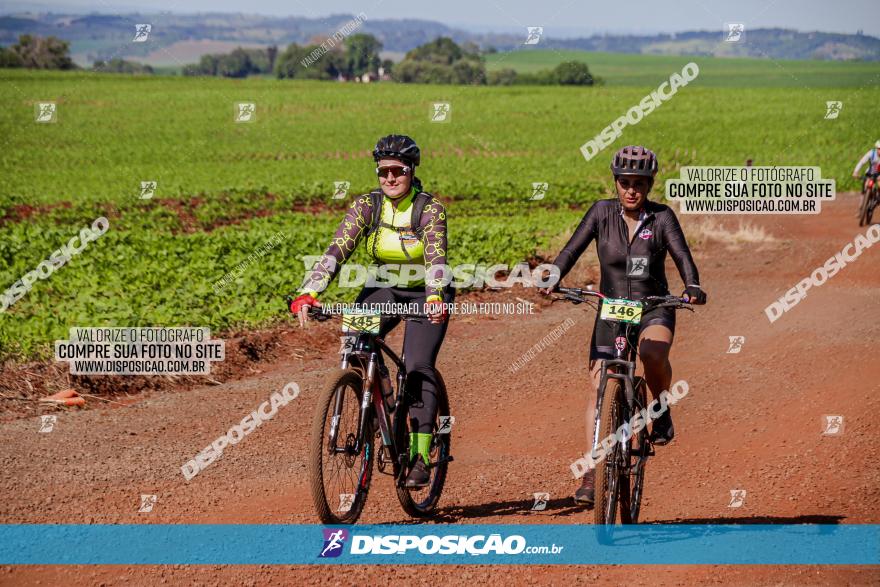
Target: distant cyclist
{"x": 405, "y": 226}
{"x": 872, "y": 160}
{"x": 633, "y": 236}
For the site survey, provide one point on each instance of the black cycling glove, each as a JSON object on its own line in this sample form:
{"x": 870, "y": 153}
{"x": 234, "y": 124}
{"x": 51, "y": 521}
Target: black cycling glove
{"x": 695, "y": 295}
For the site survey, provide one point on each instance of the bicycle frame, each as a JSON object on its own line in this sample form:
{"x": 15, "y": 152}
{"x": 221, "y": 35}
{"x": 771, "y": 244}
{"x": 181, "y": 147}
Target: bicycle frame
{"x": 622, "y": 368}
{"x": 365, "y": 357}
{"x": 346, "y": 430}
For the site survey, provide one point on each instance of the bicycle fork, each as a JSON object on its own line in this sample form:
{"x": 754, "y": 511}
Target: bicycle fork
{"x": 629, "y": 392}
{"x": 367, "y": 397}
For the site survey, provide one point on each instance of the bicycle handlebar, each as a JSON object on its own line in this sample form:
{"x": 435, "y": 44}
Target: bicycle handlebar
{"x": 320, "y": 315}
{"x": 578, "y": 295}
{"x": 577, "y": 291}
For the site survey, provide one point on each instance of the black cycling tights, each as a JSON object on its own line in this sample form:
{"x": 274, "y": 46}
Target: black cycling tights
{"x": 421, "y": 344}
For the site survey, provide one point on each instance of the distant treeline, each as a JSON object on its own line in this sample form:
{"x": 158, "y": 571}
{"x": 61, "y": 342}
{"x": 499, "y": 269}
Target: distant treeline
{"x": 52, "y": 53}
{"x": 441, "y": 61}
{"x": 358, "y": 55}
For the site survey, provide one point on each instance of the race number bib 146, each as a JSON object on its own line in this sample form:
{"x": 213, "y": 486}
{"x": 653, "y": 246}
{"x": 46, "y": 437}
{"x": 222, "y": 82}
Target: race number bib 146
{"x": 621, "y": 310}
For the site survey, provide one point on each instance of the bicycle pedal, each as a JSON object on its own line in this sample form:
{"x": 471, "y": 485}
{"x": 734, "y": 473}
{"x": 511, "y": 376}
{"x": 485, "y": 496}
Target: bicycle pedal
{"x": 448, "y": 459}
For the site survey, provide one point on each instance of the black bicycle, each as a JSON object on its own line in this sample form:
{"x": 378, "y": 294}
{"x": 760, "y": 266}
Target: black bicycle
{"x": 359, "y": 406}
{"x": 620, "y": 475}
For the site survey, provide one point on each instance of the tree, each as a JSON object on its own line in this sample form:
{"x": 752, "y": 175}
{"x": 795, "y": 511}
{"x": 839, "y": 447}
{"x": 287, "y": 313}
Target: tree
{"x": 441, "y": 61}
{"x": 207, "y": 65}
{"x": 423, "y": 72}
{"x": 310, "y": 62}
{"x": 501, "y": 77}
{"x": 121, "y": 66}
{"x": 235, "y": 64}
{"x": 442, "y": 50}
{"x": 259, "y": 60}
{"x": 9, "y": 58}
{"x": 572, "y": 73}
{"x": 271, "y": 54}
{"x": 467, "y": 71}
{"x": 362, "y": 54}
{"x": 240, "y": 62}
{"x": 289, "y": 61}
{"x": 40, "y": 53}
{"x": 470, "y": 49}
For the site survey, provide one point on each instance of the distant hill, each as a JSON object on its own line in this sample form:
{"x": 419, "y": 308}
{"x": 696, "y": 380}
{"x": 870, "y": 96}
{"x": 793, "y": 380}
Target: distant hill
{"x": 766, "y": 43}
{"x": 179, "y": 38}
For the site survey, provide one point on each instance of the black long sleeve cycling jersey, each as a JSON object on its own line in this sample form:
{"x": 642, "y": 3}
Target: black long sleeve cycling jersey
{"x": 631, "y": 267}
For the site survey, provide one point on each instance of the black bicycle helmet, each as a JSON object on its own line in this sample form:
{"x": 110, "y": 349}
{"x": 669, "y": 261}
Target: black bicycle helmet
{"x": 634, "y": 160}
{"x": 398, "y": 147}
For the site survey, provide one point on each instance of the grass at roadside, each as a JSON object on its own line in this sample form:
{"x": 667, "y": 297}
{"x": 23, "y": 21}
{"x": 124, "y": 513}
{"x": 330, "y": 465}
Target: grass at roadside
{"x": 225, "y": 188}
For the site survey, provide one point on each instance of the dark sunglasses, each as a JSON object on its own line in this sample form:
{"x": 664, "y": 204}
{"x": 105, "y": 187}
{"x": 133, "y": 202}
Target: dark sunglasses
{"x": 396, "y": 170}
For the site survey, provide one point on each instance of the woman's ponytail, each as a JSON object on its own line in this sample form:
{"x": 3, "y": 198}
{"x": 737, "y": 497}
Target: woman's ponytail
{"x": 417, "y": 183}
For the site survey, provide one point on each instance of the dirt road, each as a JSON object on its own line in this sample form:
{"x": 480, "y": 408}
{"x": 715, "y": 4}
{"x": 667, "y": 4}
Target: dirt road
{"x": 753, "y": 420}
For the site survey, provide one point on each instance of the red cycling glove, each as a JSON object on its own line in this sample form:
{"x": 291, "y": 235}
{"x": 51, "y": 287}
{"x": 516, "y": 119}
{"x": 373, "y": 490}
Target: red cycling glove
{"x": 302, "y": 301}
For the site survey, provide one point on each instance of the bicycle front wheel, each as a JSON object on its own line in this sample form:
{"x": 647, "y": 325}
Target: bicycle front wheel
{"x": 340, "y": 477}
{"x": 632, "y": 478}
{"x": 609, "y": 468}
{"x": 421, "y": 503}
{"x": 872, "y": 205}
{"x": 865, "y": 210}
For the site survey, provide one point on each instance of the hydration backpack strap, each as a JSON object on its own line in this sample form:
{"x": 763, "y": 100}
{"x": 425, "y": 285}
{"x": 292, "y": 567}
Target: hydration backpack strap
{"x": 873, "y": 162}
{"x": 376, "y": 203}
{"x": 421, "y": 200}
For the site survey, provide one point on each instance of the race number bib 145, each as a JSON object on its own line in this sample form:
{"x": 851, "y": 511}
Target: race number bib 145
{"x": 361, "y": 321}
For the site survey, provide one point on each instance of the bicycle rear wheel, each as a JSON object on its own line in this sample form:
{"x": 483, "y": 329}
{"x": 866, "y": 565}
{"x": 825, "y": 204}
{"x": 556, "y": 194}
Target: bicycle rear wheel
{"x": 340, "y": 481}
{"x": 421, "y": 503}
{"x": 632, "y": 477}
{"x": 608, "y": 469}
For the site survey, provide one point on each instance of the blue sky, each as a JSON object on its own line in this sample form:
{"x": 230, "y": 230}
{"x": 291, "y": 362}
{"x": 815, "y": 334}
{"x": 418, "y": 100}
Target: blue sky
{"x": 562, "y": 18}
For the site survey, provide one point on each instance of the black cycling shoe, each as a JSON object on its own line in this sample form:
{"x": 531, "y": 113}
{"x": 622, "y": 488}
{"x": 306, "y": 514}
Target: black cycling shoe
{"x": 586, "y": 493}
{"x": 662, "y": 431}
{"x": 418, "y": 475}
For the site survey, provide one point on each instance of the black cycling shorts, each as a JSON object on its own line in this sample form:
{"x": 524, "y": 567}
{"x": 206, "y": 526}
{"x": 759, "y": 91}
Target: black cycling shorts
{"x": 602, "y": 343}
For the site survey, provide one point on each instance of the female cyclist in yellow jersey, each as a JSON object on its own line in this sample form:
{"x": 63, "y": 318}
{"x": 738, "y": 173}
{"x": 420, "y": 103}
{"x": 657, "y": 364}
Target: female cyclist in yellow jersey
{"x": 405, "y": 230}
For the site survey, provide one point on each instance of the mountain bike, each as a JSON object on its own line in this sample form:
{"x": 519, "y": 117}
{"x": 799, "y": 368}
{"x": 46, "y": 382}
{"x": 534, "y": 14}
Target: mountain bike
{"x": 359, "y": 406}
{"x": 871, "y": 201}
{"x": 620, "y": 476}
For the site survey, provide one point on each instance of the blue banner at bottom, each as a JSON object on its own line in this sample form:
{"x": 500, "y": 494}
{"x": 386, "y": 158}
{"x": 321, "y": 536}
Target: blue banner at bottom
{"x": 137, "y": 544}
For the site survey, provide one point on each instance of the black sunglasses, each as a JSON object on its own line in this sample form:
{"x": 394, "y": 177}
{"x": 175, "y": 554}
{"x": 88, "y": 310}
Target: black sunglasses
{"x": 396, "y": 170}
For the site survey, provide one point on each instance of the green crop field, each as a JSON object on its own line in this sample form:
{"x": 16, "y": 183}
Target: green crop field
{"x": 225, "y": 188}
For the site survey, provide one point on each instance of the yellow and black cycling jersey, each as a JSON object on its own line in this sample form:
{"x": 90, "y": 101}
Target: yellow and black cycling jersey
{"x": 393, "y": 242}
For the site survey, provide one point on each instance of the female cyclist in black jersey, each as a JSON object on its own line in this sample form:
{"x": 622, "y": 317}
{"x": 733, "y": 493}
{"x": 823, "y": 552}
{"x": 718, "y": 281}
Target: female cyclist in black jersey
{"x": 633, "y": 236}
